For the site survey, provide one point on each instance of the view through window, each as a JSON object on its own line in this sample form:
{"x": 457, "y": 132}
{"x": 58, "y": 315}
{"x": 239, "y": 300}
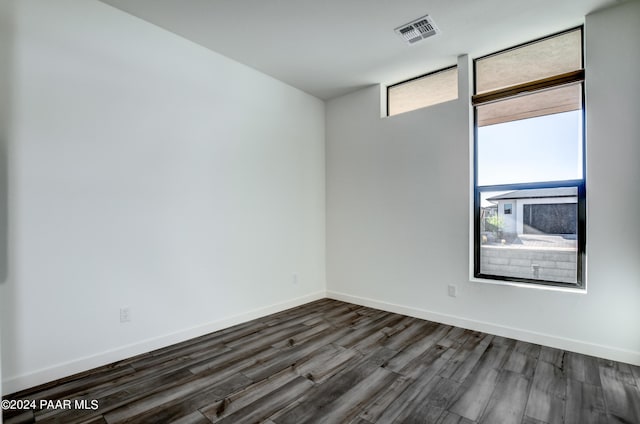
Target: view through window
{"x": 529, "y": 163}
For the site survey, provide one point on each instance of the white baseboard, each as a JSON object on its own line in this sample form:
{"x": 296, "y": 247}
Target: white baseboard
{"x": 578, "y": 346}
{"x": 21, "y": 382}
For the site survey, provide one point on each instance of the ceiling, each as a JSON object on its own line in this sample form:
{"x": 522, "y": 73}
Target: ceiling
{"x": 328, "y": 48}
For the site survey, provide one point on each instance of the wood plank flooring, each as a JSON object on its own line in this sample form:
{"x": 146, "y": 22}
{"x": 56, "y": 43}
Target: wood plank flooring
{"x": 334, "y": 362}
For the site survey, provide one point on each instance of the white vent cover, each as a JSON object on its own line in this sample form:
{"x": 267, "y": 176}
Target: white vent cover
{"x": 418, "y": 30}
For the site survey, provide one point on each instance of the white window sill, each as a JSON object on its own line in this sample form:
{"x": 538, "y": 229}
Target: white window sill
{"x": 528, "y": 285}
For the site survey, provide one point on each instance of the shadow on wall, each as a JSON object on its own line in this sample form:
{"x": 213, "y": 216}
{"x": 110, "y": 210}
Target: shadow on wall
{"x": 6, "y": 41}
{"x": 7, "y": 333}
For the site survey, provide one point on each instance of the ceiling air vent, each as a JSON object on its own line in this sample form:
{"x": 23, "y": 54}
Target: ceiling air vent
{"x": 417, "y": 30}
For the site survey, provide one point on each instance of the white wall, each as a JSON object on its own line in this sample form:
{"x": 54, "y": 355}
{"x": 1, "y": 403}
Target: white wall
{"x": 398, "y": 196}
{"x": 146, "y": 171}
{"x": 6, "y": 38}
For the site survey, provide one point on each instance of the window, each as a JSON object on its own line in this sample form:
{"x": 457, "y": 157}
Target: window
{"x": 529, "y": 190}
{"x": 427, "y": 90}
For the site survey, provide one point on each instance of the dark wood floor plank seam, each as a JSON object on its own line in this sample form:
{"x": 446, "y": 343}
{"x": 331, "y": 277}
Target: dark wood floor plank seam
{"x": 508, "y": 400}
{"x": 240, "y": 399}
{"x": 281, "y": 360}
{"x": 419, "y": 347}
{"x": 474, "y": 394}
{"x": 418, "y": 375}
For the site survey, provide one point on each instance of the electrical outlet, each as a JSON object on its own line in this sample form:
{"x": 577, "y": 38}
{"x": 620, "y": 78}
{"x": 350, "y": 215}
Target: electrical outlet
{"x": 294, "y": 279}
{"x": 453, "y": 290}
{"x": 125, "y": 314}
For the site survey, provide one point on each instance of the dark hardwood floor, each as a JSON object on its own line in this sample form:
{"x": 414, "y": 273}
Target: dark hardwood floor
{"x": 335, "y": 362}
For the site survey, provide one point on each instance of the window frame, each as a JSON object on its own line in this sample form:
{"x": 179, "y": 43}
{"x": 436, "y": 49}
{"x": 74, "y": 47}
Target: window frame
{"x": 448, "y": 68}
{"x": 560, "y": 80}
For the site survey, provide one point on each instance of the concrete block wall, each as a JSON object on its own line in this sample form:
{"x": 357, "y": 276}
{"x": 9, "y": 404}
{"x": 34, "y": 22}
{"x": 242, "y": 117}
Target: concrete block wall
{"x": 553, "y": 265}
